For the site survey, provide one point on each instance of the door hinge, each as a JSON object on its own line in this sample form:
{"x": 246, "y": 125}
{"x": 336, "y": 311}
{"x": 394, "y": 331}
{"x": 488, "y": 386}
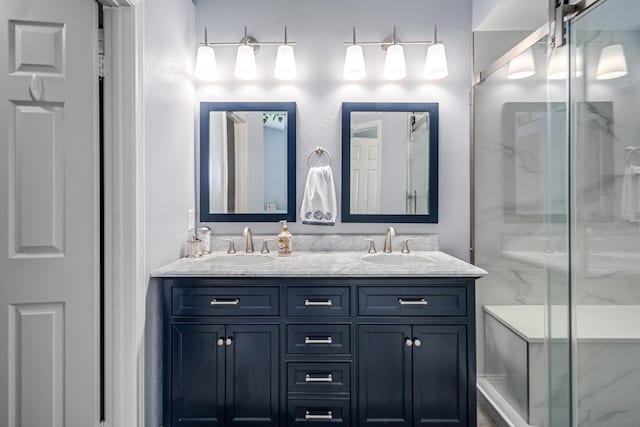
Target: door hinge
{"x": 101, "y": 53}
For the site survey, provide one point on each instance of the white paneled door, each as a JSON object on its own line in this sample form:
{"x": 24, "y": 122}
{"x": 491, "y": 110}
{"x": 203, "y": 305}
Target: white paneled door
{"x": 49, "y": 214}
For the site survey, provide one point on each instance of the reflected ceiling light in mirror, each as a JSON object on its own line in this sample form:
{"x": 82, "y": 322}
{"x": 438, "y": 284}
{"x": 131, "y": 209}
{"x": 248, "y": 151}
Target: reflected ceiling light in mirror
{"x": 395, "y": 67}
{"x": 285, "y": 61}
{"x": 206, "y": 65}
{"x": 354, "y": 68}
{"x": 612, "y": 63}
{"x": 558, "y": 64}
{"x": 522, "y": 66}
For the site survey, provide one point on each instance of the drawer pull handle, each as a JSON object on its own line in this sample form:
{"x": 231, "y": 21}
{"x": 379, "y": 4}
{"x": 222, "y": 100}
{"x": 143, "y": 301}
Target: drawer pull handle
{"x": 234, "y": 301}
{"x": 309, "y": 340}
{"x": 420, "y": 301}
{"x": 327, "y": 303}
{"x": 309, "y": 379}
{"x": 310, "y": 416}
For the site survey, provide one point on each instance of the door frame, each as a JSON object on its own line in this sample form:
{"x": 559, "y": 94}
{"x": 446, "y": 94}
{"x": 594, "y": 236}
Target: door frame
{"x": 125, "y": 284}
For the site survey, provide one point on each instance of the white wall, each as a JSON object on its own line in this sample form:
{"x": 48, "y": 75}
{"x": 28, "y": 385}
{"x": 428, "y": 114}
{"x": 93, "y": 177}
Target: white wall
{"x": 169, "y": 110}
{"x": 320, "y": 28}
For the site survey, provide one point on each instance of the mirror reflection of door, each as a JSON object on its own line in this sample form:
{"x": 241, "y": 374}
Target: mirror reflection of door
{"x": 365, "y": 167}
{"x": 418, "y": 155}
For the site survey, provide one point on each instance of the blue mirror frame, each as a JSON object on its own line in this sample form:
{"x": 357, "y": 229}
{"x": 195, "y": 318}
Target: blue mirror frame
{"x": 432, "y": 109}
{"x": 205, "y": 109}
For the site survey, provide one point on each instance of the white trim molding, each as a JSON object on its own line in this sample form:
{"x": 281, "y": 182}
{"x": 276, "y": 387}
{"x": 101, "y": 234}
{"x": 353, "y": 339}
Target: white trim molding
{"x": 125, "y": 281}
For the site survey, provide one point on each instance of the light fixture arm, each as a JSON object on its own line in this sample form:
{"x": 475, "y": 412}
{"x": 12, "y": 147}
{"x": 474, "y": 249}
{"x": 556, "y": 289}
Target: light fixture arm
{"x": 248, "y": 40}
{"x": 393, "y": 39}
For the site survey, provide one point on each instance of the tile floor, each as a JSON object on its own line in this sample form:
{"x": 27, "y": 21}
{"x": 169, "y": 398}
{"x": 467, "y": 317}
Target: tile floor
{"x": 484, "y": 420}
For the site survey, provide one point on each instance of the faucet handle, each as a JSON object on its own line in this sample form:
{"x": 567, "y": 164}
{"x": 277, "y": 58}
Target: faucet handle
{"x": 372, "y": 246}
{"x": 232, "y": 246}
{"x": 265, "y": 246}
{"x": 405, "y": 246}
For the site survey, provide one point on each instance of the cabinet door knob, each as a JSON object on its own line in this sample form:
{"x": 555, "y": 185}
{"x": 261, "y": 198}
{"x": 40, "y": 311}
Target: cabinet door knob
{"x": 417, "y": 342}
{"x": 229, "y": 341}
{"x": 220, "y": 342}
{"x": 408, "y": 342}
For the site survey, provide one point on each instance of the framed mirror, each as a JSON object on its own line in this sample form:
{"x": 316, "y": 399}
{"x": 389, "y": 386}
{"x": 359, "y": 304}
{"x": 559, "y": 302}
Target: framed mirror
{"x": 390, "y": 162}
{"x": 247, "y": 161}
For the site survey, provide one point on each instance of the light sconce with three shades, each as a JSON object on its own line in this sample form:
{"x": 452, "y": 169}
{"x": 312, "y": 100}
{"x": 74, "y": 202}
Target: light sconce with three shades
{"x": 354, "y": 66}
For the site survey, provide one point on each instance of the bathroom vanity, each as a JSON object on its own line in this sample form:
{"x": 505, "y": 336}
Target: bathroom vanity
{"x": 319, "y": 339}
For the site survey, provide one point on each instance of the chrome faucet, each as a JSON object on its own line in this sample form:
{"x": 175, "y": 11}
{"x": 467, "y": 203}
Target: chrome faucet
{"x": 388, "y": 236}
{"x": 248, "y": 235}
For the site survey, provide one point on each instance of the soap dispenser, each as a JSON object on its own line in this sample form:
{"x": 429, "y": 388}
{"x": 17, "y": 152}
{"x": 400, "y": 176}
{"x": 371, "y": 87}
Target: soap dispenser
{"x": 285, "y": 240}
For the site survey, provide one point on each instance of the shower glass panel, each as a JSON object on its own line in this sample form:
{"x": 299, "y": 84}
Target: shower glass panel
{"x": 521, "y": 162}
{"x": 605, "y": 189}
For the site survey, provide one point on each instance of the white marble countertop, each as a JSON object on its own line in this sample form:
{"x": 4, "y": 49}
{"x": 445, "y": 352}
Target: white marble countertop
{"x": 321, "y": 264}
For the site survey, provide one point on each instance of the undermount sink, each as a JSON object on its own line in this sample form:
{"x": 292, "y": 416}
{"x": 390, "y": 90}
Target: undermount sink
{"x": 240, "y": 259}
{"x": 400, "y": 260}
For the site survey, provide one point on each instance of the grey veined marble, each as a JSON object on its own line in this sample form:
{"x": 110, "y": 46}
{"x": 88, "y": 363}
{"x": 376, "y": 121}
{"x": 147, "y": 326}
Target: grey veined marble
{"x": 322, "y": 264}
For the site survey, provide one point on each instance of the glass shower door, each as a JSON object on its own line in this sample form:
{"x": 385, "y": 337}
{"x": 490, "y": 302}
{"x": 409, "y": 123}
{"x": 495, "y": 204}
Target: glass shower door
{"x": 605, "y": 188}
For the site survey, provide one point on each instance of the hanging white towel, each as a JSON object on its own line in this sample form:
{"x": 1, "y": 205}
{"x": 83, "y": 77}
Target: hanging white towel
{"x": 319, "y": 206}
{"x": 630, "y": 205}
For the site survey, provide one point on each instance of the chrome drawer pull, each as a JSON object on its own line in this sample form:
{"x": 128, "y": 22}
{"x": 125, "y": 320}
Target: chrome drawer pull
{"x": 420, "y": 301}
{"x": 327, "y": 340}
{"x": 327, "y": 303}
{"x": 309, "y": 379}
{"x": 327, "y": 416}
{"x": 235, "y": 301}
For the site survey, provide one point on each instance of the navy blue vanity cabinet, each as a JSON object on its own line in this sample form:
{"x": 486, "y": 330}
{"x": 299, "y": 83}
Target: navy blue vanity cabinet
{"x": 319, "y": 352}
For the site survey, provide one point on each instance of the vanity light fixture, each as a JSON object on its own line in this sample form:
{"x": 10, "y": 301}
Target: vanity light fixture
{"x": 558, "y": 64}
{"x": 612, "y": 63}
{"x": 435, "y": 66}
{"x": 394, "y": 65}
{"x": 245, "y": 66}
{"x": 285, "y": 61}
{"x": 354, "y": 68}
{"x": 206, "y": 66}
{"x": 522, "y": 66}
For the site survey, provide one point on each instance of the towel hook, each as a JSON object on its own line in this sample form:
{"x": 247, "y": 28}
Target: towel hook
{"x": 319, "y": 151}
{"x": 630, "y": 151}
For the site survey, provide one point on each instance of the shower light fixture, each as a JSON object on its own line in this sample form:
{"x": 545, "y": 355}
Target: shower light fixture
{"x": 612, "y": 63}
{"x": 395, "y": 67}
{"x": 522, "y": 66}
{"x": 245, "y": 66}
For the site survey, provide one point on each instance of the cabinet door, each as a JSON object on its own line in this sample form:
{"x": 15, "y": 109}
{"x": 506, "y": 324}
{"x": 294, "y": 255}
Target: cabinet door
{"x": 439, "y": 376}
{"x": 197, "y": 376}
{"x": 384, "y": 375}
{"x": 252, "y": 375}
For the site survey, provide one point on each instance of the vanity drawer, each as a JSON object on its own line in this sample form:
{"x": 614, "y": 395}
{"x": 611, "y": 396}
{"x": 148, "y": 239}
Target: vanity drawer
{"x": 325, "y": 302}
{"x": 412, "y": 301}
{"x": 319, "y": 377}
{"x": 225, "y": 301}
{"x": 318, "y": 339}
{"x": 319, "y": 413}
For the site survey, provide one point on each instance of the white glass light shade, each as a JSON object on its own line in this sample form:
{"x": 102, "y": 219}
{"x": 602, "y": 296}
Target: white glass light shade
{"x": 435, "y": 66}
{"x": 612, "y": 63}
{"x": 285, "y": 63}
{"x": 206, "y": 66}
{"x": 394, "y": 65}
{"x": 245, "y": 63}
{"x": 558, "y": 65}
{"x": 522, "y": 66}
{"x": 354, "y": 63}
